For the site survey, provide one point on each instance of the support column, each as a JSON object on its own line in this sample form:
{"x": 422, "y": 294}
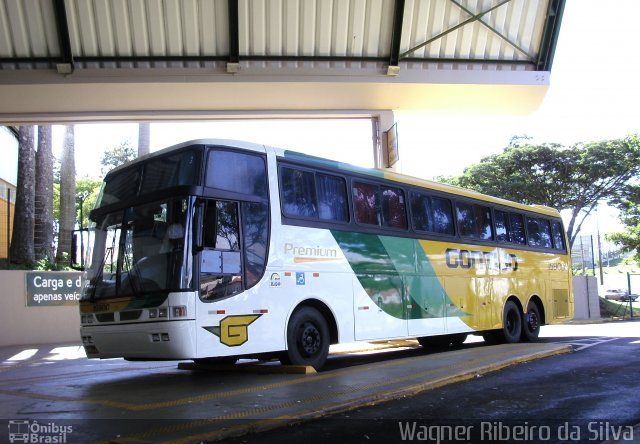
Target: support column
{"x": 382, "y": 122}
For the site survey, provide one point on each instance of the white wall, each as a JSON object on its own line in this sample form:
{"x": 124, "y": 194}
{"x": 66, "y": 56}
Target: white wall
{"x": 585, "y": 298}
{"x": 22, "y": 325}
{"x": 9, "y": 155}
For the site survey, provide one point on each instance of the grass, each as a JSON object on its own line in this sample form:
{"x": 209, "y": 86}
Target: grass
{"x": 614, "y": 309}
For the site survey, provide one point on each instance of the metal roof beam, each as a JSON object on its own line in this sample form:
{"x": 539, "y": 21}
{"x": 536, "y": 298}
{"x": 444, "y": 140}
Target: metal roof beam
{"x": 550, "y": 35}
{"x": 233, "y": 65}
{"x": 450, "y": 30}
{"x": 495, "y": 31}
{"x": 396, "y": 37}
{"x": 66, "y": 63}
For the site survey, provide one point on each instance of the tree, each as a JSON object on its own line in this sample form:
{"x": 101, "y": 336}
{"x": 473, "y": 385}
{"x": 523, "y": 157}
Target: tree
{"x": 629, "y": 206}
{"x": 22, "y": 246}
{"x": 43, "y": 230}
{"x": 144, "y": 138}
{"x": 89, "y": 189}
{"x": 574, "y": 178}
{"x": 67, "y": 195}
{"x": 117, "y": 156}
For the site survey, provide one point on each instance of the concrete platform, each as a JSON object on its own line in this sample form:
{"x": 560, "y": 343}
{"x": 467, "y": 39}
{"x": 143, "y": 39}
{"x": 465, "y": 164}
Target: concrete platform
{"x": 119, "y": 401}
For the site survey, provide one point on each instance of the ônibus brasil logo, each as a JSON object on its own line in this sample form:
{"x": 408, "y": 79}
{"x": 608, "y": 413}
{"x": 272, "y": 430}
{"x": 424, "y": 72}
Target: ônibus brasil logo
{"x": 33, "y": 432}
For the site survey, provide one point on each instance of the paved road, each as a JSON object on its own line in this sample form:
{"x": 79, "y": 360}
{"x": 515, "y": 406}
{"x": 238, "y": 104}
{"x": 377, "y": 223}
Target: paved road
{"x": 590, "y": 395}
{"x": 592, "y": 391}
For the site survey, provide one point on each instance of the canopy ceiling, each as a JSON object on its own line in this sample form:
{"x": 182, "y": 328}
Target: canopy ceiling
{"x": 69, "y": 59}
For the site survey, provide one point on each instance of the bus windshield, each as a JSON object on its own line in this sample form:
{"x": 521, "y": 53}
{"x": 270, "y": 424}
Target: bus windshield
{"x": 140, "y": 250}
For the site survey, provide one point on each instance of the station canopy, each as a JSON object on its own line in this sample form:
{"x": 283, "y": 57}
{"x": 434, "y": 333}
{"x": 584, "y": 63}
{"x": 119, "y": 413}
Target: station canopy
{"x": 165, "y": 59}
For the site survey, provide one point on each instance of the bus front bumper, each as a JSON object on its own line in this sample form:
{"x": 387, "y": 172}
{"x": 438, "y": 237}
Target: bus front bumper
{"x": 143, "y": 341}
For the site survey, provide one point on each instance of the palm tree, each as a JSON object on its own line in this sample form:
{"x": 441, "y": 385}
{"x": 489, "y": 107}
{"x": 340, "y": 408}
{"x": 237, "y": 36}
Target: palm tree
{"x": 43, "y": 230}
{"x": 67, "y": 195}
{"x": 22, "y": 251}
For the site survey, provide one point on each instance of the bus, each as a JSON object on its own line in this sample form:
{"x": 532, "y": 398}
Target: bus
{"x": 217, "y": 250}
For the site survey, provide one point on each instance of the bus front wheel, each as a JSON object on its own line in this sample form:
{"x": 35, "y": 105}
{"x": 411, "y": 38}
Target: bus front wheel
{"x": 307, "y": 339}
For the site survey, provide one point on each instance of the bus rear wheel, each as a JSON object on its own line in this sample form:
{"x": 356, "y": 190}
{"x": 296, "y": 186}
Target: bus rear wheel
{"x": 532, "y": 323}
{"x": 307, "y": 339}
{"x": 511, "y": 323}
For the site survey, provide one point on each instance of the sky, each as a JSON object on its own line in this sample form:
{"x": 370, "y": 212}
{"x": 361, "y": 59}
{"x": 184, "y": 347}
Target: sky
{"x": 594, "y": 94}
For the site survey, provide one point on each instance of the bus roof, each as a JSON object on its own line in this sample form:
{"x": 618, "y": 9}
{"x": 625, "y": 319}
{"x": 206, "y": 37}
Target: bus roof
{"x": 336, "y": 165}
{"x": 217, "y": 142}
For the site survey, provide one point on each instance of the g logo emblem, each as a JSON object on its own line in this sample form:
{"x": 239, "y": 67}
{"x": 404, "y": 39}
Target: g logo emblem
{"x": 233, "y": 330}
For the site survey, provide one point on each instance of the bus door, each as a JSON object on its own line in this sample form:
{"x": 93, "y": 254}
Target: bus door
{"x": 220, "y": 266}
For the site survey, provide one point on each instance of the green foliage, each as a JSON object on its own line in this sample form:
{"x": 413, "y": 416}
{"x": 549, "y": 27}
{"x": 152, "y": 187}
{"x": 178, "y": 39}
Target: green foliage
{"x": 629, "y": 206}
{"x": 566, "y": 178}
{"x": 47, "y": 264}
{"x": 117, "y": 156}
{"x": 87, "y": 191}
{"x": 90, "y": 188}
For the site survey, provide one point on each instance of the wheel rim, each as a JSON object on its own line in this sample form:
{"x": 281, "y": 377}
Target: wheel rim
{"x": 310, "y": 340}
{"x": 533, "y": 323}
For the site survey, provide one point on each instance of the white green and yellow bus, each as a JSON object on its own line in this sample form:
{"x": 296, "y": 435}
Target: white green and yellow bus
{"x": 216, "y": 249}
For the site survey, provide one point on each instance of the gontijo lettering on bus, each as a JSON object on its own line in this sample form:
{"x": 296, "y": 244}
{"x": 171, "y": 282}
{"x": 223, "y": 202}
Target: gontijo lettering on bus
{"x": 493, "y": 260}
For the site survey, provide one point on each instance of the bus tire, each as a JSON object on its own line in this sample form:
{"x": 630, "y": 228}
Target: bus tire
{"x": 511, "y": 323}
{"x": 307, "y": 339}
{"x": 532, "y": 323}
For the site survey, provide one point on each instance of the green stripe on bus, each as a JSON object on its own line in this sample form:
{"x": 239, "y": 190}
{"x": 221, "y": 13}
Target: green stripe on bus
{"x": 331, "y": 164}
{"x": 396, "y": 274}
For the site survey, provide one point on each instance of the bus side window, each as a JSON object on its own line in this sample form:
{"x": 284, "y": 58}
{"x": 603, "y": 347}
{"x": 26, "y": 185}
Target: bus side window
{"x": 255, "y": 235}
{"x": 220, "y": 264}
{"x": 332, "y": 198}
{"x": 442, "y": 216}
{"x": 365, "y": 203}
{"x": 393, "y": 209}
{"x": 502, "y": 226}
{"x": 517, "y": 235}
{"x": 474, "y": 221}
{"x": 545, "y": 232}
{"x": 220, "y": 226}
{"x": 421, "y": 211}
{"x": 558, "y": 235}
{"x": 298, "y": 193}
{"x": 539, "y": 232}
